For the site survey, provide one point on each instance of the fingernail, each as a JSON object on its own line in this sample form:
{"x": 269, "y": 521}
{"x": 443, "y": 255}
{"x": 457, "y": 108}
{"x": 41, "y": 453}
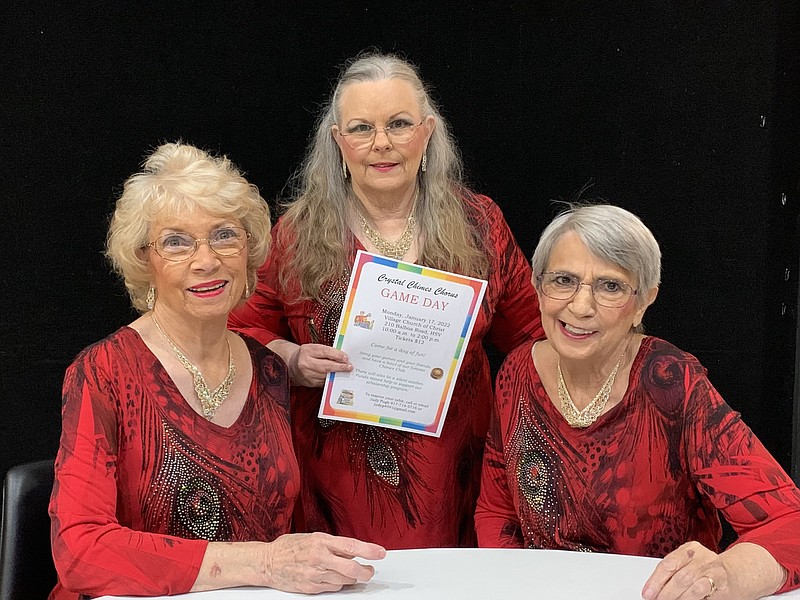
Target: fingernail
{"x": 647, "y": 593}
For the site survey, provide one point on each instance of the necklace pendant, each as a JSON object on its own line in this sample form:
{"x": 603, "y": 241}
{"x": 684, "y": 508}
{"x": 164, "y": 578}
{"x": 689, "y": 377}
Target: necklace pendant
{"x": 398, "y": 249}
{"x": 210, "y": 400}
{"x": 582, "y": 418}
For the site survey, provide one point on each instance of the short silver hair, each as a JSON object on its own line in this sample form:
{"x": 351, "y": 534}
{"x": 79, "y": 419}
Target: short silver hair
{"x": 612, "y": 234}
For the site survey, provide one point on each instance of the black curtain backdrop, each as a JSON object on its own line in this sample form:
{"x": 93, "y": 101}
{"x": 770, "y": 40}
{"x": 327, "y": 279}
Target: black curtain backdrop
{"x": 685, "y": 113}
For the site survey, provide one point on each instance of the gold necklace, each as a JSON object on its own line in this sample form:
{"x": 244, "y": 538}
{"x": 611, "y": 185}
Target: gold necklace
{"x": 398, "y": 249}
{"x": 587, "y": 416}
{"x": 209, "y": 400}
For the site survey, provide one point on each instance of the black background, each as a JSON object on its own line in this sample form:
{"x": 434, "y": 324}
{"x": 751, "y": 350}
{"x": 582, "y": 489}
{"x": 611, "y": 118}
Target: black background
{"x": 685, "y": 113}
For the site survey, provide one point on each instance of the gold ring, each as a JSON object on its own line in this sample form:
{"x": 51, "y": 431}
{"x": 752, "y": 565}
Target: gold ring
{"x": 713, "y": 587}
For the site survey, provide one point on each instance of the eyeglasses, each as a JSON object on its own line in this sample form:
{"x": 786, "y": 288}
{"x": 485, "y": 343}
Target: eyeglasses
{"x": 361, "y": 135}
{"x": 176, "y": 247}
{"x": 606, "y": 292}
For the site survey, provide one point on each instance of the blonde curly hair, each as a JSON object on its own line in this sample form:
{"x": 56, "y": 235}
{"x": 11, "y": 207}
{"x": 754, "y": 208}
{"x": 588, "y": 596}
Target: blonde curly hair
{"x": 175, "y": 178}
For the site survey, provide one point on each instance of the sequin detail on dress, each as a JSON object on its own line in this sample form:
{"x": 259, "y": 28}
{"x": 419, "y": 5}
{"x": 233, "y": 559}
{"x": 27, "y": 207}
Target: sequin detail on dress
{"x": 329, "y": 308}
{"x": 383, "y": 462}
{"x": 199, "y": 508}
{"x": 534, "y": 475}
{"x": 326, "y": 318}
{"x": 187, "y": 492}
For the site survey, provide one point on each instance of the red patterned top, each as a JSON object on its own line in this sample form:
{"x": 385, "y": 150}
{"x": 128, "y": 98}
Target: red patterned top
{"x": 142, "y": 480}
{"x": 646, "y": 477}
{"x": 398, "y": 489}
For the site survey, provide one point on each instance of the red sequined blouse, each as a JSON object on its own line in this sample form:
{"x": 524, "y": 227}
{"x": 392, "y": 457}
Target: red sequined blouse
{"x": 399, "y": 489}
{"x": 646, "y": 477}
{"x": 143, "y": 481}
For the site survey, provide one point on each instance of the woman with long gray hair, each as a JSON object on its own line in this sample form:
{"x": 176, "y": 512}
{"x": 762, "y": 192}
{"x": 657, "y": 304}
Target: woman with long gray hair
{"x": 383, "y": 174}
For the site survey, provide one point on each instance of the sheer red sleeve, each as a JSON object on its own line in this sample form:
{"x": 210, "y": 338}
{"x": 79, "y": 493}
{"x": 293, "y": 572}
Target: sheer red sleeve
{"x": 93, "y": 553}
{"x": 732, "y": 467}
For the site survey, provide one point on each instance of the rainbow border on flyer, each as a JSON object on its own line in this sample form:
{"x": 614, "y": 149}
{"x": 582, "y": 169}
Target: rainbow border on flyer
{"x": 363, "y": 259}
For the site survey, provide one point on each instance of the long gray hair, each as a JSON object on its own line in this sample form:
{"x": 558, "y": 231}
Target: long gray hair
{"x": 317, "y": 237}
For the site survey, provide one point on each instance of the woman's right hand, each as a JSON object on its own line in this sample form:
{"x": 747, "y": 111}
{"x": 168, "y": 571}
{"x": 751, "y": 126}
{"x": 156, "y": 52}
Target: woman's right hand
{"x": 309, "y": 364}
{"x": 311, "y": 563}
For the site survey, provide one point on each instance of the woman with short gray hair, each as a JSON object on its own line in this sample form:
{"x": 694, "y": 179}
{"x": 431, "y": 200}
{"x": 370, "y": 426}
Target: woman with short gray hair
{"x": 607, "y": 440}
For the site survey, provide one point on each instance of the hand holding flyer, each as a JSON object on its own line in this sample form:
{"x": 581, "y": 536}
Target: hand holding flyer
{"x": 405, "y": 329}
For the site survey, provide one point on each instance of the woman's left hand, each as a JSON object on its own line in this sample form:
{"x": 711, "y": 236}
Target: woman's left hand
{"x": 745, "y": 571}
{"x": 690, "y": 572}
{"x": 311, "y": 363}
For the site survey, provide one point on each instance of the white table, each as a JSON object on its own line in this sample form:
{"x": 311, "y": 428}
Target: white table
{"x": 467, "y": 574}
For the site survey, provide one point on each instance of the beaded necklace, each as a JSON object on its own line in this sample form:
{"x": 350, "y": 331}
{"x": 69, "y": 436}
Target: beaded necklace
{"x": 591, "y": 412}
{"x": 210, "y": 400}
{"x": 398, "y": 249}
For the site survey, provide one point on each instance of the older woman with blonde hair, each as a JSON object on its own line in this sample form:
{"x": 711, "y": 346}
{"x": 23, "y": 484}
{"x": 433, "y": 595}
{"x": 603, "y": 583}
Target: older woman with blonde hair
{"x": 609, "y": 440}
{"x": 175, "y": 470}
{"x": 383, "y": 174}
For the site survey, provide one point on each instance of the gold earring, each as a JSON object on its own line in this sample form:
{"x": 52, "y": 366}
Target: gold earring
{"x": 151, "y": 298}
{"x": 424, "y": 165}
{"x": 344, "y": 167}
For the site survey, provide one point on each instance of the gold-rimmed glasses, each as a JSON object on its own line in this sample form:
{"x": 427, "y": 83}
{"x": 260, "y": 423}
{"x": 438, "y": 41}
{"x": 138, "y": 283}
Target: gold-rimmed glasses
{"x": 610, "y": 293}
{"x": 178, "y": 246}
{"x": 361, "y": 135}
